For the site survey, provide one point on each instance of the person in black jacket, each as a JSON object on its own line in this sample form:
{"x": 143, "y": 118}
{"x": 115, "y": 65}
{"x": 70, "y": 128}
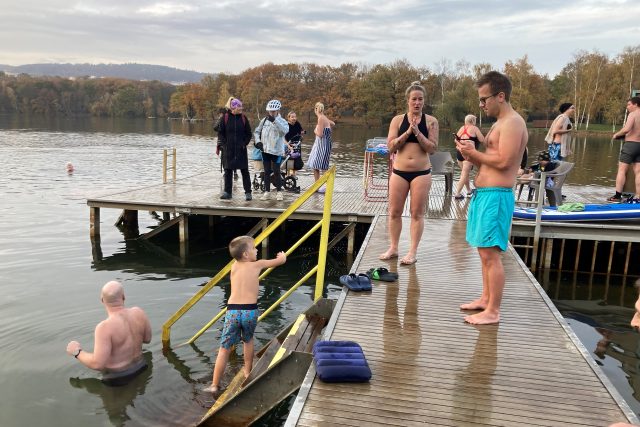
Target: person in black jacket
{"x": 234, "y": 134}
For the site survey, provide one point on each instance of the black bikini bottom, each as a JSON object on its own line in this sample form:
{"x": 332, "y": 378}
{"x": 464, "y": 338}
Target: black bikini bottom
{"x": 409, "y": 176}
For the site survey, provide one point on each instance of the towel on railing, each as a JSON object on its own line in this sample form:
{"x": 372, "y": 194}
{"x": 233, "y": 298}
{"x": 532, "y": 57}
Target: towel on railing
{"x": 340, "y": 361}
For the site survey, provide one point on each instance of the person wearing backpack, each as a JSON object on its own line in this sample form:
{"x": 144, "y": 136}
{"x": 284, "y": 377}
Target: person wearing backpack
{"x": 234, "y": 134}
{"x": 269, "y": 137}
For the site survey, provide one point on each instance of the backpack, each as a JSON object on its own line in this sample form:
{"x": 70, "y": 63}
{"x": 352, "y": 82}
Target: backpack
{"x": 226, "y": 120}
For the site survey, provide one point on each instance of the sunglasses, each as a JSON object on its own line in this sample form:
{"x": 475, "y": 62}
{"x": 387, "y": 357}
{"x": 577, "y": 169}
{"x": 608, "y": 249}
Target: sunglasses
{"x": 483, "y": 100}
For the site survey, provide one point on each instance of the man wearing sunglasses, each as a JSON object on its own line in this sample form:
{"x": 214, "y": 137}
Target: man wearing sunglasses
{"x": 491, "y": 208}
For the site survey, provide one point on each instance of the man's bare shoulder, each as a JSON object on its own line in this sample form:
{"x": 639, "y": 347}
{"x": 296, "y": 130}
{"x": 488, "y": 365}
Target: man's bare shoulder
{"x": 137, "y": 311}
{"x": 514, "y": 119}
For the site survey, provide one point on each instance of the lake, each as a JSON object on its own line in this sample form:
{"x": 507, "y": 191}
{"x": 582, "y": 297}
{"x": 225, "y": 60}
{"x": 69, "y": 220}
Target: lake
{"x": 51, "y": 283}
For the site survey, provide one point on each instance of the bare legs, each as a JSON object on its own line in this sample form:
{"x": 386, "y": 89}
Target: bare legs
{"x": 316, "y": 174}
{"x": 398, "y": 190}
{"x": 247, "y": 349}
{"x": 218, "y": 369}
{"x": 492, "y": 288}
{"x": 621, "y": 177}
{"x": 221, "y": 364}
{"x": 465, "y": 172}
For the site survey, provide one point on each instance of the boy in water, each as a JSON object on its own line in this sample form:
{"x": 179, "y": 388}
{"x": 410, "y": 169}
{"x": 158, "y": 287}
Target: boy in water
{"x": 242, "y": 308}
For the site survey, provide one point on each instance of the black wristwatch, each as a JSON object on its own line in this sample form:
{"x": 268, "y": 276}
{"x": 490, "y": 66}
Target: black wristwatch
{"x": 78, "y": 353}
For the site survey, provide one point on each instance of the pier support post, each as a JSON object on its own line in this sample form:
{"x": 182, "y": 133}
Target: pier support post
{"x": 166, "y": 216}
{"x": 183, "y": 227}
{"x": 96, "y": 249}
{"x": 212, "y": 222}
{"x": 94, "y": 222}
{"x": 351, "y": 241}
{"x": 548, "y": 250}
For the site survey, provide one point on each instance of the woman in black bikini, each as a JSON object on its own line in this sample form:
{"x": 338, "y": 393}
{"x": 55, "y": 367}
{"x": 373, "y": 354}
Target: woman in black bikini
{"x": 411, "y": 138}
{"x": 468, "y": 131}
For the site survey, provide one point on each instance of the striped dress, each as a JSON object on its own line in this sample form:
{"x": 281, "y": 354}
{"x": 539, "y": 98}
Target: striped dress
{"x": 320, "y": 152}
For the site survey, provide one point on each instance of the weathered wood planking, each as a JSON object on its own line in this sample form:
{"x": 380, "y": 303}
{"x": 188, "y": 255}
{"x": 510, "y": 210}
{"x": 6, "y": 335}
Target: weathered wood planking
{"x": 429, "y": 367}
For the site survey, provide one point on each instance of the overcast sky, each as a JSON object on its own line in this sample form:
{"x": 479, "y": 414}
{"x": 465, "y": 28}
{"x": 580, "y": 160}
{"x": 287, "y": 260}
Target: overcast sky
{"x": 231, "y": 36}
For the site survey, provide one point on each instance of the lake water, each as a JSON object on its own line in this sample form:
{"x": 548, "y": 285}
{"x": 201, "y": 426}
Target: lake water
{"x": 50, "y": 282}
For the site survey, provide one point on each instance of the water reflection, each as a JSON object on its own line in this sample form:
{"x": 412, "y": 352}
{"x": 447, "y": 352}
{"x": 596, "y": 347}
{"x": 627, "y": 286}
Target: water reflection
{"x": 473, "y": 383}
{"x": 116, "y": 400}
{"x": 402, "y": 338}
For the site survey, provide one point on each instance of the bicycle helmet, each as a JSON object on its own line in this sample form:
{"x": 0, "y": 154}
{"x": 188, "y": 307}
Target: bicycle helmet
{"x": 273, "y": 105}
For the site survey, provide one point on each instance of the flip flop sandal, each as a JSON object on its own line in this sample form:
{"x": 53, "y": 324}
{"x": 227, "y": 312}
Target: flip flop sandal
{"x": 383, "y": 274}
{"x": 355, "y": 282}
{"x": 350, "y": 281}
{"x": 364, "y": 282}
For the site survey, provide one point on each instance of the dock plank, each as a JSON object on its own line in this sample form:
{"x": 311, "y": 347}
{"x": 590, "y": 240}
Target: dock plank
{"x": 430, "y": 367}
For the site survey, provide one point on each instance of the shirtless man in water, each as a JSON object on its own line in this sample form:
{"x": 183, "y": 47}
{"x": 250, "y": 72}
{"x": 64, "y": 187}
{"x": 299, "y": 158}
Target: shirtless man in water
{"x": 117, "y": 350}
{"x": 491, "y": 208}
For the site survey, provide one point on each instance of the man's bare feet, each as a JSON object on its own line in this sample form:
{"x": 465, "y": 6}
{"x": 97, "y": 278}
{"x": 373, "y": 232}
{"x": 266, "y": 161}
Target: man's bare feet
{"x": 483, "y": 318}
{"x": 478, "y": 304}
{"x": 211, "y": 389}
{"x": 408, "y": 259}
{"x": 389, "y": 254}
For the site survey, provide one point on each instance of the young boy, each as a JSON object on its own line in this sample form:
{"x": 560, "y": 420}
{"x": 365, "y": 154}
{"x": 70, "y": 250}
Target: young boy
{"x": 242, "y": 308}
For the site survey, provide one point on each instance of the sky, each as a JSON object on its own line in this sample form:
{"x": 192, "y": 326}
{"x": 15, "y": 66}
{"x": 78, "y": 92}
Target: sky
{"x": 230, "y": 36}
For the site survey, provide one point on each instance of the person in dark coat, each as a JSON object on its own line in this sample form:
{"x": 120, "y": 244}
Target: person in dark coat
{"x": 234, "y": 134}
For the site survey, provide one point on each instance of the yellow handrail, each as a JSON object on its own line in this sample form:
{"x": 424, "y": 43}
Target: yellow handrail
{"x": 328, "y": 178}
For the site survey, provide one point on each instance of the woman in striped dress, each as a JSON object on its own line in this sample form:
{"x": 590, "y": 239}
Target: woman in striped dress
{"x": 321, "y": 150}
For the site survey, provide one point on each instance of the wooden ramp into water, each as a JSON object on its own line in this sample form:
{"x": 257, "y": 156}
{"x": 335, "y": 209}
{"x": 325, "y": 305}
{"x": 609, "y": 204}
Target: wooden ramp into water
{"x": 429, "y": 367}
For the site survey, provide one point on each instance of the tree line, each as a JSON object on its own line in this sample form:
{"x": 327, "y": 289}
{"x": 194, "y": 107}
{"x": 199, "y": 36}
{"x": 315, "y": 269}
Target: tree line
{"x": 598, "y": 85}
{"x": 84, "y": 96}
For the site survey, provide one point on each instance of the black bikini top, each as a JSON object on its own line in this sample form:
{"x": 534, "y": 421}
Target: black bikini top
{"x": 422, "y": 126}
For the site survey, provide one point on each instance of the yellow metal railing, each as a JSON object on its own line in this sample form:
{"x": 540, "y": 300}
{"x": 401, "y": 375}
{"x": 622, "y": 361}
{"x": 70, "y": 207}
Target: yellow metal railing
{"x": 327, "y": 179}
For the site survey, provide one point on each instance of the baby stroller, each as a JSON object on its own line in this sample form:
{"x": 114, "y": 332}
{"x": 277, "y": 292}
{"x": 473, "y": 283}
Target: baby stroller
{"x": 291, "y": 163}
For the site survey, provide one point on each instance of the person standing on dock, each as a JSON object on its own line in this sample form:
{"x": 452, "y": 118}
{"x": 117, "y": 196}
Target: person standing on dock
{"x": 630, "y": 153}
{"x": 321, "y": 149}
{"x": 412, "y": 137}
{"x": 234, "y": 134}
{"x": 117, "y": 350}
{"x": 491, "y": 208}
{"x": 559, "y": 136}
{"x": 242, "y": 307}
{"x": 269, "y": 135}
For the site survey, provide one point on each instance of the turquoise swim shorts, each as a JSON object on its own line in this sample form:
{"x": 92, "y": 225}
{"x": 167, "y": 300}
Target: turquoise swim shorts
{"x": 489, "y": 217}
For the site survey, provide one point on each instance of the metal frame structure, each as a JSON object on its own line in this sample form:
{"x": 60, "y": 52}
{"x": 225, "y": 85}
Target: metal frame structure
{"x": 329, "y": 179}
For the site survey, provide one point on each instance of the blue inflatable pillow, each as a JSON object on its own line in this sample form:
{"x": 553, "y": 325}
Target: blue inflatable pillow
{"x": 340, "y": 361}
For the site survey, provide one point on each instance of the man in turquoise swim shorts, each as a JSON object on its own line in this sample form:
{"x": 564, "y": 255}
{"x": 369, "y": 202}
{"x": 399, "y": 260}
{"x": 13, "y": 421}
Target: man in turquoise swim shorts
{"x": 491, "y": 208}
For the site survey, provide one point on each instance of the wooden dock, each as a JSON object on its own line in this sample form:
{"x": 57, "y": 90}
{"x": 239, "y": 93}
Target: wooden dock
{"x": 429, "y": 367}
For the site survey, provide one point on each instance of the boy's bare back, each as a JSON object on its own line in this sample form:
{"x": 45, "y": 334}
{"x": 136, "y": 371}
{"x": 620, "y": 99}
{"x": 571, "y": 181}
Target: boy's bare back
{"x": 245, "y": 273}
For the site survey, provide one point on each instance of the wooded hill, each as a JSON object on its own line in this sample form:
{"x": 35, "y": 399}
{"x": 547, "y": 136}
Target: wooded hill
{"x": 122, "y": 71}
{"x": 597, "y": 84}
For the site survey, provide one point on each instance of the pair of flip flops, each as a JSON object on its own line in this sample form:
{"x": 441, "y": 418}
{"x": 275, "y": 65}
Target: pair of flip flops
{"x": 356, "y": 282}
{"x": 383, "y": 274}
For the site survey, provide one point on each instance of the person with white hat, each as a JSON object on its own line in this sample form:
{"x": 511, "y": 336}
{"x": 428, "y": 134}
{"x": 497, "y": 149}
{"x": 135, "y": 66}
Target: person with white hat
{"x": 269, "y": 138}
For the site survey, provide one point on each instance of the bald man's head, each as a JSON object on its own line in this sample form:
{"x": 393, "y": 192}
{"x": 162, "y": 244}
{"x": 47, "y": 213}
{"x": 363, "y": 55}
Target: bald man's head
{"x": 113, "y": 294}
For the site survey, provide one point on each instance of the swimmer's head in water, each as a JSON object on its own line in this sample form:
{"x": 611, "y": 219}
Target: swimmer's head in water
{"x": 70, "y": 167}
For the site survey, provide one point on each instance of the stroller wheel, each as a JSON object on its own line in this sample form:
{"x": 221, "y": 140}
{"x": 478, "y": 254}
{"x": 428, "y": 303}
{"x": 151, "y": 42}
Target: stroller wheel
{"x": 290, "y": 183}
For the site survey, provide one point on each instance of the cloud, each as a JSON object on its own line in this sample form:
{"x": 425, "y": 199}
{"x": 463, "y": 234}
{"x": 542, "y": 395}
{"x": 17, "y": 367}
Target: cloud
{"x": 235, "y": 35}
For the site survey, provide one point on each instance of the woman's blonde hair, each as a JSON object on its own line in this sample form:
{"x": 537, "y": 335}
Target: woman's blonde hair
{"x": 415, "y": 86}
{"x": 228, "y": 104}
{"x": 290, "y": 113}
{"x": 319, "y": 107}
{"x": 470, "y": 119}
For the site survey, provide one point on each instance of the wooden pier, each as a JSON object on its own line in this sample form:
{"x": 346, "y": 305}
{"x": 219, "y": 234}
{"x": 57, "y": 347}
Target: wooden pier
{"x": 429, "y": 367}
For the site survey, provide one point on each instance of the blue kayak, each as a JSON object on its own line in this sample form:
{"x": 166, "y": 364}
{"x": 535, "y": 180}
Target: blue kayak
{"x": 591, "y": 212}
